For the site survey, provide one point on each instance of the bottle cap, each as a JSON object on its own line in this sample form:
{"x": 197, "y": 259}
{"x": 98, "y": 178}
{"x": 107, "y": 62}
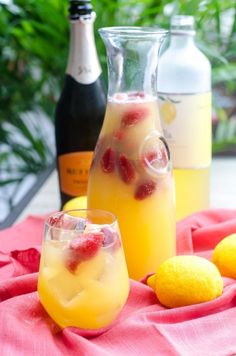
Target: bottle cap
{"x": 182, "y": 24}
{"x": 80, "y": 8}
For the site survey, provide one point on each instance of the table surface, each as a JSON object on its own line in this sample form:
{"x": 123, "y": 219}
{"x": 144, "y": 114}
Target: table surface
{"x": 222, "y": 193}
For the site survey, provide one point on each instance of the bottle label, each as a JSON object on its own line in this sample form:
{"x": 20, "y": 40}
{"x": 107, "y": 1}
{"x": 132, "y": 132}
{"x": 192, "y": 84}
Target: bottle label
{"x": 74, "y": 171}
{"x": 186, "y": 122}
{"x": 83, "y": 64}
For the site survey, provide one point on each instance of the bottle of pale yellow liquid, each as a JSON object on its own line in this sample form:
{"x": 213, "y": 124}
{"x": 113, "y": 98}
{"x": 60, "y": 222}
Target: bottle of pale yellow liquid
{"x": 184, "y": 93}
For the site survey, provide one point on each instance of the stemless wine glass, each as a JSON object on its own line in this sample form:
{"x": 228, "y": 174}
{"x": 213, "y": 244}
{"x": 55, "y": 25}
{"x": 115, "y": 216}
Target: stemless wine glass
{"x": 83, "y": 279}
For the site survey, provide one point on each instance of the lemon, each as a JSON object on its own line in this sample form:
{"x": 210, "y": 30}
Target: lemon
{"x": 168, "y": 112}
{"x": 224, "y": 256}
{"x": 151, "y": 282}
{"x": 76, "y": 203}
{"x": 185, "y": 280}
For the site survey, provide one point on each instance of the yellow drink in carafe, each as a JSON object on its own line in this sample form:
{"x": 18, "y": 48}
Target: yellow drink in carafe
{"x": 124, "y": 179}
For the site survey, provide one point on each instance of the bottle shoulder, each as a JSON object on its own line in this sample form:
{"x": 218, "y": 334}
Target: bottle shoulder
{"x": 81, "y": 100}
{"x": 184, "y": 70}
{"x": 82, "y": 91}
{"x": 189, "y": 56}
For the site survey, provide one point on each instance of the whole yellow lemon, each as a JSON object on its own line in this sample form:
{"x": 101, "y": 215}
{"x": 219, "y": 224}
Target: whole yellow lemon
{"x": 224, "y": 256}
{"x": 76, "y": 203}
{"x": 185, "y": 280}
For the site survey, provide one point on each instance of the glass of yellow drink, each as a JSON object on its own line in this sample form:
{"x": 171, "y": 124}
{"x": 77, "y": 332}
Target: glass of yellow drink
{"x": 83, "y": 280}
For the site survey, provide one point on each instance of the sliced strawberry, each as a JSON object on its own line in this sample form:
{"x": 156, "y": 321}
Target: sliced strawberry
{"x": 126, "y": 169}
{"x": 149, "y": 157}
{"x": 56, "y": 221}
{"x": 134, "y": 116}
{"x": 144, "y": 190}
{"x": 52, "y": 220}
{"x": 137, "y": 94}
{"x": 119, "y": 135}
{"x": 83, "y": 248}
{"x": 87, "y": 244}
{"x": 156, "y": 158}
{"x": 108, "y": 160}
{"x": 72, "y": 261}
{"x": 55, "y": 224}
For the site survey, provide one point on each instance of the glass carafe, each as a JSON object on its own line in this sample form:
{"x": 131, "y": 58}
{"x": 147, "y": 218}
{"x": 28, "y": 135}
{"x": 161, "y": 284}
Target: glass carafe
{"x": 131, "y": 173}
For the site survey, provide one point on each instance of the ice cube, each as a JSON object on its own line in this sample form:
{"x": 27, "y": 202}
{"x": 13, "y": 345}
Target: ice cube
{"x": 65, "y": 286}
{"x": 81, "y": 224}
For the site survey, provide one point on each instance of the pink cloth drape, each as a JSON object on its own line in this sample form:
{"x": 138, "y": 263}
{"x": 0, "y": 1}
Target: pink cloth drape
{"x": 144, "y": 328}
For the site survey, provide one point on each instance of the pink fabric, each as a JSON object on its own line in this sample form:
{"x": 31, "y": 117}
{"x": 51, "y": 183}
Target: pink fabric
{"x": 144, "y": 327}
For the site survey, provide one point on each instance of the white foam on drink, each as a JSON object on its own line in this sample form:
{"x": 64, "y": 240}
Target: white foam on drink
{"x": 132, "y": 97}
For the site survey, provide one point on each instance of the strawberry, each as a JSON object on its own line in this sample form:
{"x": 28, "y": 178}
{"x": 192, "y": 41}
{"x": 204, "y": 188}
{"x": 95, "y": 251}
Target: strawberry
{"x": 108, "y": 160}
{"x": 55, "y": 224}
{"x": 144, "y": 190}
{"x": 134, "y": 116}
{"x": 56, "y": 221}
{"x": 149, "y": 157}
{"x": 126, "y": 169}
{"x": 158, "y": 158}
{"x": 72, "y": 261}
{"x": 83, "y": 248}
{"x": 119, "y": 135}
{"x": 87, "y": 244}
{"x": 137, "y": 94}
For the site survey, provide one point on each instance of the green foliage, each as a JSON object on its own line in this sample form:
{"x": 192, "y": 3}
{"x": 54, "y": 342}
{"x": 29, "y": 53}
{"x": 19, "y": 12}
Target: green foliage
{"x": 34, "y": 38}
{"x": 31, "y": 32}
{"x": 33, "y": 48}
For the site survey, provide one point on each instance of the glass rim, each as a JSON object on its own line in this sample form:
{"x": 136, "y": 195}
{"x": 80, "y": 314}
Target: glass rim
{"x": 63, "y": 212}
{"x": 182, "y": 25}
{"x": 186, "y": 19}
{"x": 144, "y": 32}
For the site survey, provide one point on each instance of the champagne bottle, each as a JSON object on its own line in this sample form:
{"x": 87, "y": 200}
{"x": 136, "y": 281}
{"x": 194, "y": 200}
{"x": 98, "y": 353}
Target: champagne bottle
{"x": 81, "y": 106}
{"x": 184, "y": 93}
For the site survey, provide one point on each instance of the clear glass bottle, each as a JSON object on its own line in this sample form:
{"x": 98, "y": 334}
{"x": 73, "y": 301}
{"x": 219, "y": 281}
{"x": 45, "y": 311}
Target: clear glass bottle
{"x": 184, "y": 92}
{"x": 81, "y": 107}
{"x": 131, "y": 173}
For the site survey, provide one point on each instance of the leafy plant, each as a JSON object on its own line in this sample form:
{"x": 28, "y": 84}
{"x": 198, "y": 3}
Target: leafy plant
{"x": 31, "y": 33}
